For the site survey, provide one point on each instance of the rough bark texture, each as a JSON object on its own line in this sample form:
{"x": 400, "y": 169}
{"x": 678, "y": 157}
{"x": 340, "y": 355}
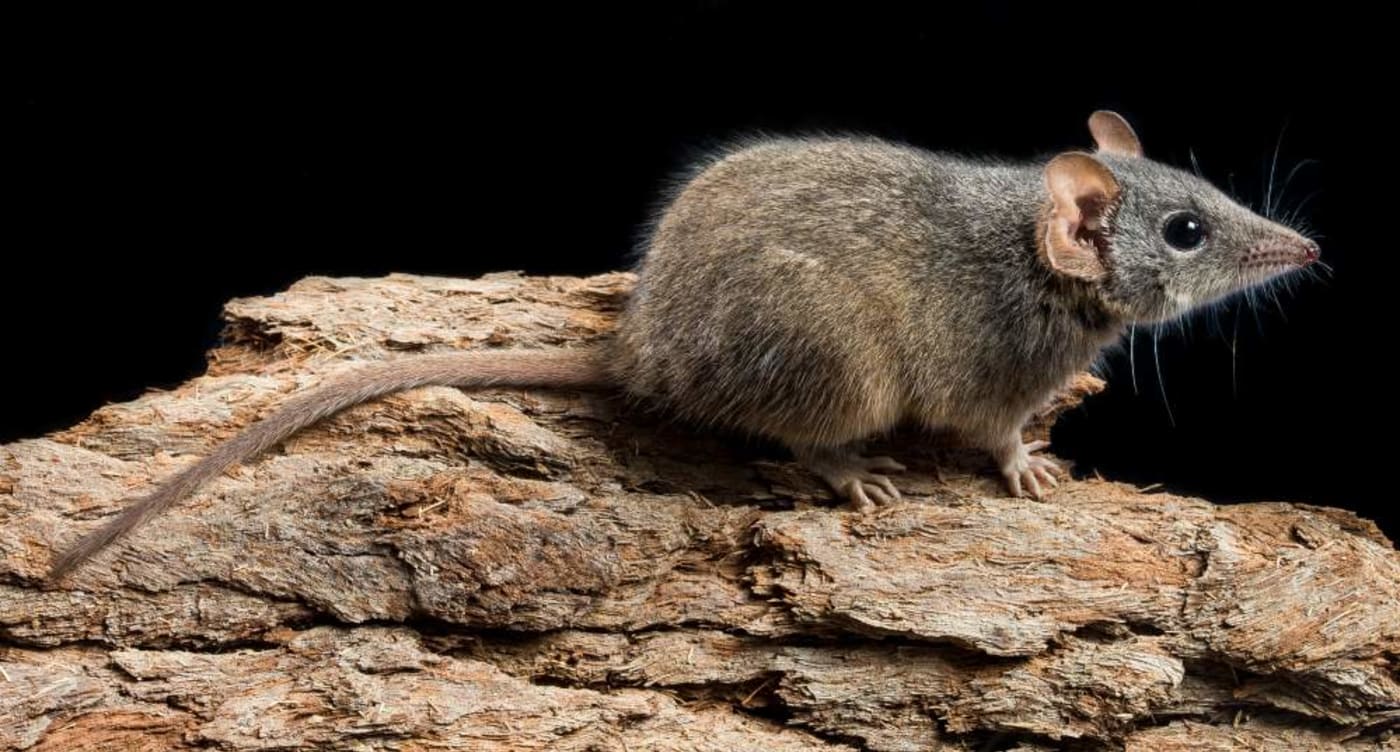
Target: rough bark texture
{"x": 528, "y": 570}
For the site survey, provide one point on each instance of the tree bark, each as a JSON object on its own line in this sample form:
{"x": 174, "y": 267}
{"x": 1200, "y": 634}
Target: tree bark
{"x": 514, "y": 569}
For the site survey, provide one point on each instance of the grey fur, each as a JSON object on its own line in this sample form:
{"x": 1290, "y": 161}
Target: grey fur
{"x": 821, "y": 291}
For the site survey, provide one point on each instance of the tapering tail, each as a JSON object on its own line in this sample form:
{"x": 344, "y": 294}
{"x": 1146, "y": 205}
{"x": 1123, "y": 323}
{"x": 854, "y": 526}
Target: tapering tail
{"x": 580, "y": 368}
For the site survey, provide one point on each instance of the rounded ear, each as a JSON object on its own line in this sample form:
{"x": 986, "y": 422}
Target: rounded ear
{"x": 1074, "y": 231}
{"x": 1113, "y": 135}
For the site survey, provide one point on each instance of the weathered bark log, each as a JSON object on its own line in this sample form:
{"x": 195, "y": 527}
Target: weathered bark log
{"x": 526, "y": 570}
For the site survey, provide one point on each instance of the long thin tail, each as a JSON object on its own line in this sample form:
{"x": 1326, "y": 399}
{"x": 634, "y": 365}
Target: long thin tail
{"x": 564, "y": 368}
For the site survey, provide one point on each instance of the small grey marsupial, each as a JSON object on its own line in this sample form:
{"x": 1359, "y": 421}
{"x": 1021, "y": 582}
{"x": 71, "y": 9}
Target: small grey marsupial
{"x": 819, "y": 291}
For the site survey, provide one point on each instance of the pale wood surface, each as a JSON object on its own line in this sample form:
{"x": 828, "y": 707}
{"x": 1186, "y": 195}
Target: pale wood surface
{"x": 529, "y": 570}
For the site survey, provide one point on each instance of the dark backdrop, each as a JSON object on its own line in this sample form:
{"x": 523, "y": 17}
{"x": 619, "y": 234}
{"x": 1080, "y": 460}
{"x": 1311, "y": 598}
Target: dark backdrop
{"x": 161, "y": 165}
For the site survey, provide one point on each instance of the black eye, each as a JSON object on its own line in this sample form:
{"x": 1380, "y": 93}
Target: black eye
{"x": 1185, "y": 231}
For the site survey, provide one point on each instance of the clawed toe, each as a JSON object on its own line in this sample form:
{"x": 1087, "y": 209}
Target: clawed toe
{"x": 1032, "y": 484}
{"x": 869, "y": 491}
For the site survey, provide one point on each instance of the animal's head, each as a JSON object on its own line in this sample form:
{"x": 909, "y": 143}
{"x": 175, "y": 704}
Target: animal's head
{"x": 1153, "y": 241}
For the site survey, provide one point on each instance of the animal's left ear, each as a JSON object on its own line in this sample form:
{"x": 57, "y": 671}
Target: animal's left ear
{"x": 1074, "y": 231}
{"x": 1113, "y": 135}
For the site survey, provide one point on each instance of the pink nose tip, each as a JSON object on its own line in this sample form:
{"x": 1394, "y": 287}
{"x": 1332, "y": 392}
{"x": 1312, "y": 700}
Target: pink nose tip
{"x": 1311, "y": 252}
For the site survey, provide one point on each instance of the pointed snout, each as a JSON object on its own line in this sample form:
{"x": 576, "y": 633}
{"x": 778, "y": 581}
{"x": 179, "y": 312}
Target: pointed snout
{"x": 1310, "y": 252}
{"x": 1300, "y": 251}
{"x": 1281, "y": 251}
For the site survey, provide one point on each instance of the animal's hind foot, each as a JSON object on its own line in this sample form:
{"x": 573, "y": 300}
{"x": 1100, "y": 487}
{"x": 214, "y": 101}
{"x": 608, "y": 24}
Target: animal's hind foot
{"x": 854, "y": 477}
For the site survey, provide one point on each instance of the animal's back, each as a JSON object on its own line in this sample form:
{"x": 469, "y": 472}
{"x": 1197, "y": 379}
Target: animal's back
{"x": 771, "y": 285}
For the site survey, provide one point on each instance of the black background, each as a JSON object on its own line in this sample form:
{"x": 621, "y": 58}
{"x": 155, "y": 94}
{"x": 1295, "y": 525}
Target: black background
{"x": 161, "y": 165}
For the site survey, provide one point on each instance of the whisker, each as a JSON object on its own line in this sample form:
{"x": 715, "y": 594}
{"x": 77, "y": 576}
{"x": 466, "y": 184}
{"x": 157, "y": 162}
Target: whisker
{"x": 1213, "y": 319}
{"x": 1295, "y": 211}
{"x": 1234, "y": 357}
{"x": 1132, "y": 355}
{"x": 1273, "y": 168}
{"x": 1254, "y": 312}
{"x": 1292, "y": 173}
{"x": 1161, "y": 384}
{"x": 1195, "y": 165}
{"x": 1272, "y": 290}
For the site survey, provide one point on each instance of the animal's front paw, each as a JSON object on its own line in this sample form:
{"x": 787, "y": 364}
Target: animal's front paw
{"x": 1027, "y": 474}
